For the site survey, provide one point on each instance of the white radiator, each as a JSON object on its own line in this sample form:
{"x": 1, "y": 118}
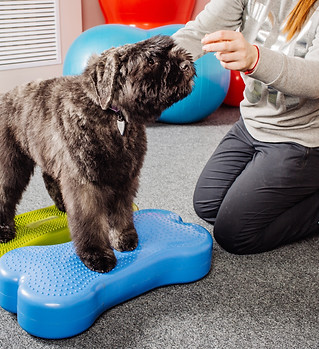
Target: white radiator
{"x": 29, "y": 33}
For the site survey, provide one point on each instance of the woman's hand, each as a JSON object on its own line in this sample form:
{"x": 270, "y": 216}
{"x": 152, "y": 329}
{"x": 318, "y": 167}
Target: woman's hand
{"x": 232, "y": 50}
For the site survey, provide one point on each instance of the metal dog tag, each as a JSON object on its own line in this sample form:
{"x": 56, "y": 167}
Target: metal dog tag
{"x": 121, "y": 125}
{"x": 120, "y": 119}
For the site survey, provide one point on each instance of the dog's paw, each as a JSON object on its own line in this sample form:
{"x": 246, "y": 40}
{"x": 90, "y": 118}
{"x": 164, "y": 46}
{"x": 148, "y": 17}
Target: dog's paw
{"x": 7, "y": 233}
{"x": 98, "y": 260}
{"x": 126, "y": 241}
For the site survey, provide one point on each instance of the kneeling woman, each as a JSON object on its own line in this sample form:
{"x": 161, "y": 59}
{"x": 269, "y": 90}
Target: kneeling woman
{"x": 260, "y": 188}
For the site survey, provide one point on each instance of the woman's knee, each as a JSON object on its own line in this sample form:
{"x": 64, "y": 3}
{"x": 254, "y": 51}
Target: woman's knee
{"x": 235, "y": 239}
{"x": 230, "y": 235}
{"x": 206, "y": 210}
{"x": 227, "y": 242}
{"x": 223, "y": 235}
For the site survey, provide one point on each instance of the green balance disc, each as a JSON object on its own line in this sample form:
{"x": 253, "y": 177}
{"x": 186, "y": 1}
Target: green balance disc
{"x": 46, "y": 226}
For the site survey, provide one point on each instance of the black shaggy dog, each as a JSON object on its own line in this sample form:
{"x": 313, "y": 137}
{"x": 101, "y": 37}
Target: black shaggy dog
{"x": 87, "y": 133}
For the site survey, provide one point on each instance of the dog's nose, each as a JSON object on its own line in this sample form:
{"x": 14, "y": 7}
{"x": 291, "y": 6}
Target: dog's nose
{"x": 185, "y": 65}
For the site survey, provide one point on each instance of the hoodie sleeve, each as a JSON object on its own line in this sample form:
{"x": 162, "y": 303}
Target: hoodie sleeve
{"x": 217, "y": 15}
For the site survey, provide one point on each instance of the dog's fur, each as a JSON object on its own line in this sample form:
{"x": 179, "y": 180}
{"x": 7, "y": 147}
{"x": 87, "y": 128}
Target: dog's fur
{"x": 68, "y": 127}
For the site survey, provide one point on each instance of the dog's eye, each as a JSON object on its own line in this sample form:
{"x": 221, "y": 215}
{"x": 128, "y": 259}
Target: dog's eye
{"x": 150, "y": 61}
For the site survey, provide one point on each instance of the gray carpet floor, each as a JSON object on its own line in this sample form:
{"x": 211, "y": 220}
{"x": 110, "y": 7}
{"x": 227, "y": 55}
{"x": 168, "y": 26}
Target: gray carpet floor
{"x": 270, "y": 300}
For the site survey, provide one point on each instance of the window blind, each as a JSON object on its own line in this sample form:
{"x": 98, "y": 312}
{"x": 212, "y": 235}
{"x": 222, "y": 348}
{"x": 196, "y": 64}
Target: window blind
{"x": 29, "y": 33}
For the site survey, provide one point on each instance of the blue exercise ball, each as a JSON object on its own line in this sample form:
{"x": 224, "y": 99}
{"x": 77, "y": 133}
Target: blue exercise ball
{"x": 211, "y": 83}
{"x": 210, "y": 87}
{"x": 97, "y": 40}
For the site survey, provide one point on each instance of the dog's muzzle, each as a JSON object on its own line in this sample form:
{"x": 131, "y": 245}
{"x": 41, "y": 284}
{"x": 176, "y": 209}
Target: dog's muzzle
{"x": 185, "y": 66}
{"x": 188, "y": 69}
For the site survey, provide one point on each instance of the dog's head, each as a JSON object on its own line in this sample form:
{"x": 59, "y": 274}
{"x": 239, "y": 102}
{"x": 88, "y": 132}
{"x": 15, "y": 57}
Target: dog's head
{"x": 142, "y": 79}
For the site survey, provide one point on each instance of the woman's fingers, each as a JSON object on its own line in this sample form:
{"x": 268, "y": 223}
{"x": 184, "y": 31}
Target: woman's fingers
{"x": 224, "y": 41}
{"x": 232, "y": 49}
{"x": 220, "y": 46}
{"x": 221, "y": 35}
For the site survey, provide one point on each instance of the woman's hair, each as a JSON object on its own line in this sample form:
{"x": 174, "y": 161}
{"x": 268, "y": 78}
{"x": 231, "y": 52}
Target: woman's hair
{"x": 297, "y": 17}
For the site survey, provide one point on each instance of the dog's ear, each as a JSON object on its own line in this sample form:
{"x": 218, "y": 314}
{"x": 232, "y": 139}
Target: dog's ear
{"x": 104, "y": 75}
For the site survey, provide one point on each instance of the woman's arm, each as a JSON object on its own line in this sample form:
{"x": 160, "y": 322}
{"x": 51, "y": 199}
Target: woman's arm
{"x": 291, "y": 75}
{"x": 217, "y": 15}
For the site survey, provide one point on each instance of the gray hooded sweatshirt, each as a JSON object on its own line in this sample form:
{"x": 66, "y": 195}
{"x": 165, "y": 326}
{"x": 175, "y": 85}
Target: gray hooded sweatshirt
{"x": 281, "y": 98}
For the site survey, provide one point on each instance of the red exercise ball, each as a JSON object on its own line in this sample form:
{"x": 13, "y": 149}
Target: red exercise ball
{"x": 235, "y": 92}
{"x": 147, "y": 14}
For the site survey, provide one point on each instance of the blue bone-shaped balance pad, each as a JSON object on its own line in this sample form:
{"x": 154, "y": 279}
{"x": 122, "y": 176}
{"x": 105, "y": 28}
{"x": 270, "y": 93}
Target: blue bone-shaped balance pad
{"x": 56, "y": 296}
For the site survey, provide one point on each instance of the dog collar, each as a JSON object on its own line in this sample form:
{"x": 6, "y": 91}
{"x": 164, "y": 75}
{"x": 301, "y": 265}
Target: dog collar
{"x": 120, "y": 119}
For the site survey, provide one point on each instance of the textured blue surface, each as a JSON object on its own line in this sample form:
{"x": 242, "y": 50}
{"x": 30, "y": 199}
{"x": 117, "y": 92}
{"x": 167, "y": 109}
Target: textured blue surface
{"x": 211, "y": 83}
{"x": 56, "y": 296}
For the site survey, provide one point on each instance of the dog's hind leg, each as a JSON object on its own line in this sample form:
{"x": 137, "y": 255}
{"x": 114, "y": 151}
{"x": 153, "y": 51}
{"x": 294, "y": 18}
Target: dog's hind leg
{"x": 15, "y": 172}
{"x": 88, "y": 223}
{"x": 54, "y": 191}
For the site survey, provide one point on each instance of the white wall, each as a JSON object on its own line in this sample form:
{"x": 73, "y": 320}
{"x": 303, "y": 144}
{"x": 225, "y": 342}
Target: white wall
{"x": 70, "y": 29}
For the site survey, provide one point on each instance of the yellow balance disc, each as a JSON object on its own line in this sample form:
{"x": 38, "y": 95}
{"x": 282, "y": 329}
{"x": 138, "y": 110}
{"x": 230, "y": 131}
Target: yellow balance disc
{"x": 46, "y": 226}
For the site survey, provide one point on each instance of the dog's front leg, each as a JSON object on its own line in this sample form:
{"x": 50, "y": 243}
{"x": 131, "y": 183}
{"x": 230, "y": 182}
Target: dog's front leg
{"x": 89, "y": 224}
{"x": 123, "y": 236}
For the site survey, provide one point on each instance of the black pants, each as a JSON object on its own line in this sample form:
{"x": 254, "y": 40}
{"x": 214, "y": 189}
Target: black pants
{"x": 259, "y": 195}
